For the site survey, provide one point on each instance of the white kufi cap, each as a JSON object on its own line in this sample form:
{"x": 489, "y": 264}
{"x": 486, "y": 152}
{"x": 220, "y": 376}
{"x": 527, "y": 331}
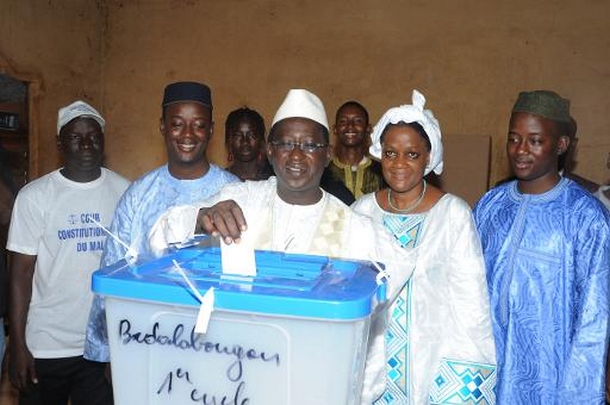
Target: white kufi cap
{"x": 75, "y": 110}
{"x": 300, "y": 103}
{"x": 408, "y": 114}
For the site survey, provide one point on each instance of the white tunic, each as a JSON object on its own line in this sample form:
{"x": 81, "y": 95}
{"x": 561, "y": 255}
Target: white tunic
{"x": 441, "y": 337}
{"x": 328, "y": 227}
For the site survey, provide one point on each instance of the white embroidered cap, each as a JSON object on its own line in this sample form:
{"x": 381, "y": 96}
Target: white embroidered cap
{"x": 300, "y": 103}
{"x": 75, "y": 110}
{"x": 412, "y": 113}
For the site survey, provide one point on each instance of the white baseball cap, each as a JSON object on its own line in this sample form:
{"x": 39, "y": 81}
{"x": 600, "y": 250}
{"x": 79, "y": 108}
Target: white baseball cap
{"x": 75, "y": 110}
{"x": 300, "y": 103}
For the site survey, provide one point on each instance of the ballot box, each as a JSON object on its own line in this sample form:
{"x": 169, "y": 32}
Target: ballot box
{"x": 294, "y": 334}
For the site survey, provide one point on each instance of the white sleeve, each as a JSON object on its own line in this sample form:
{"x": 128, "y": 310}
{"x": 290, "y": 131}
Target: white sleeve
{"x": 374, "y": 381}
{"x": 178, "y": 224}
{"x": 174, "y": 226}
{"x": 371, "y": 242}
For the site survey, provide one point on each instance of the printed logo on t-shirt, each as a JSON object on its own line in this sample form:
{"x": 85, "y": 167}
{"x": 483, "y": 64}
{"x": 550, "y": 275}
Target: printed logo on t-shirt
{"x": 84, "y": 229}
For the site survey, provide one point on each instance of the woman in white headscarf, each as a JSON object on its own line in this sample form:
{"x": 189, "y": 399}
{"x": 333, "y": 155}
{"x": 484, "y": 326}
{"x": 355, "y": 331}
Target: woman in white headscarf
{"x": 439, "y": 341}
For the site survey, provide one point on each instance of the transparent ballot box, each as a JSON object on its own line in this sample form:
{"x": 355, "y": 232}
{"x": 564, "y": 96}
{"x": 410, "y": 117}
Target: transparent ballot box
{"x": 295, "y": 333}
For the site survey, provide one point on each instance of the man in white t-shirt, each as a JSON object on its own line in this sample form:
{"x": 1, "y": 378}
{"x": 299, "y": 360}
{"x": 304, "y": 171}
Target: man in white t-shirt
{"x": 56, "y": 240}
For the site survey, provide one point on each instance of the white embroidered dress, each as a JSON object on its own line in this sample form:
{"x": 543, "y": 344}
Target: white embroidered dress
{"x": 440, "y": 347}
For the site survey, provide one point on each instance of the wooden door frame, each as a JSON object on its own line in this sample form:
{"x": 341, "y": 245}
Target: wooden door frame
{"x": 34, "y": 86}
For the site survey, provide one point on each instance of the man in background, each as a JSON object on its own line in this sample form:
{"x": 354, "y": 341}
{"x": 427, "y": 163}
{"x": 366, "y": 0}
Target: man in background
{"x": 351, "y": 163}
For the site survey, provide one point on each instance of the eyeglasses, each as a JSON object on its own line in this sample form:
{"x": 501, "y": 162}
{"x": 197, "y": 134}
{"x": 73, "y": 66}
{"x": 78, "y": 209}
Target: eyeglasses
{"x": 307, "y": 147}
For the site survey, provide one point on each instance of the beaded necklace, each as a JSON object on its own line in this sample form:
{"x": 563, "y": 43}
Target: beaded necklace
{"x": 412, "y": 206}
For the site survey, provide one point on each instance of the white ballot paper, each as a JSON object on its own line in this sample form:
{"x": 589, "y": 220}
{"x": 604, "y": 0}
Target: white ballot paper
{"x": 238, "y": 258}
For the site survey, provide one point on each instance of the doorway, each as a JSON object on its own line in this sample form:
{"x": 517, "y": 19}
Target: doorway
{"x": 14, "y": 128}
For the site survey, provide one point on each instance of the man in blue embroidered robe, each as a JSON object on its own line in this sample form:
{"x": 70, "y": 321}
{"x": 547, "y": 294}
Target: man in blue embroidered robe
{"x": 186, "y": 125}
{"x": 546, "y": 243}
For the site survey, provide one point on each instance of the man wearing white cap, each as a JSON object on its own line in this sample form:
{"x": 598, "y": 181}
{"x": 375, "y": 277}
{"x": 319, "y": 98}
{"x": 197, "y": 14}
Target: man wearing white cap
{"x": 291, "y": 213}
{"x": 56, "y": 242}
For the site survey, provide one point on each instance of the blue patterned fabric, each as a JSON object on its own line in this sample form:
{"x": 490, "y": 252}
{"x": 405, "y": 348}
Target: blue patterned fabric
{"x": 137, "y": 211}
{"x": 548, "y": 259}
{"x": 397, "y": 347}
{"x": 405, "y": 229}
{"x": 460, "y": 382}
{"x": 149, "y": 197}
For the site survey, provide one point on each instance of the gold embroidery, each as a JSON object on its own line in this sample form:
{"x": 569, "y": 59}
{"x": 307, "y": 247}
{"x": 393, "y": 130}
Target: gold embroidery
{"x": 354, "y": 185}
{"x": 328, "y": 237}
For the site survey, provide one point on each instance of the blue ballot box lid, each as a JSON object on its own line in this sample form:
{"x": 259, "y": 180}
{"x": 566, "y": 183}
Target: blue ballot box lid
{"x": 285, "y": 284}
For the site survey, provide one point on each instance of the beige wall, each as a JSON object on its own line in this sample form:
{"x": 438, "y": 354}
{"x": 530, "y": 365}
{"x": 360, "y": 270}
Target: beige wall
{"x": 470, "y": 58}
{"x": 58, "y": 43}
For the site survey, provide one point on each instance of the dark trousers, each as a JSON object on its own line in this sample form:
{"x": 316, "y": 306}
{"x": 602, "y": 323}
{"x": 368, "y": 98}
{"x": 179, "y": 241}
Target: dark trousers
{"x": 73, "y": 378}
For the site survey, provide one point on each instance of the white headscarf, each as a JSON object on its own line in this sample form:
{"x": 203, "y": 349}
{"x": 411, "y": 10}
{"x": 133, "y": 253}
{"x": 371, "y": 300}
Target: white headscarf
{"x": 408, "y": 114}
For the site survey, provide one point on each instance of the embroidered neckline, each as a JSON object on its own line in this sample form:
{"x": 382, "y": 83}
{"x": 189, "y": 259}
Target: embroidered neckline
{"x": 277, "y": 226}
